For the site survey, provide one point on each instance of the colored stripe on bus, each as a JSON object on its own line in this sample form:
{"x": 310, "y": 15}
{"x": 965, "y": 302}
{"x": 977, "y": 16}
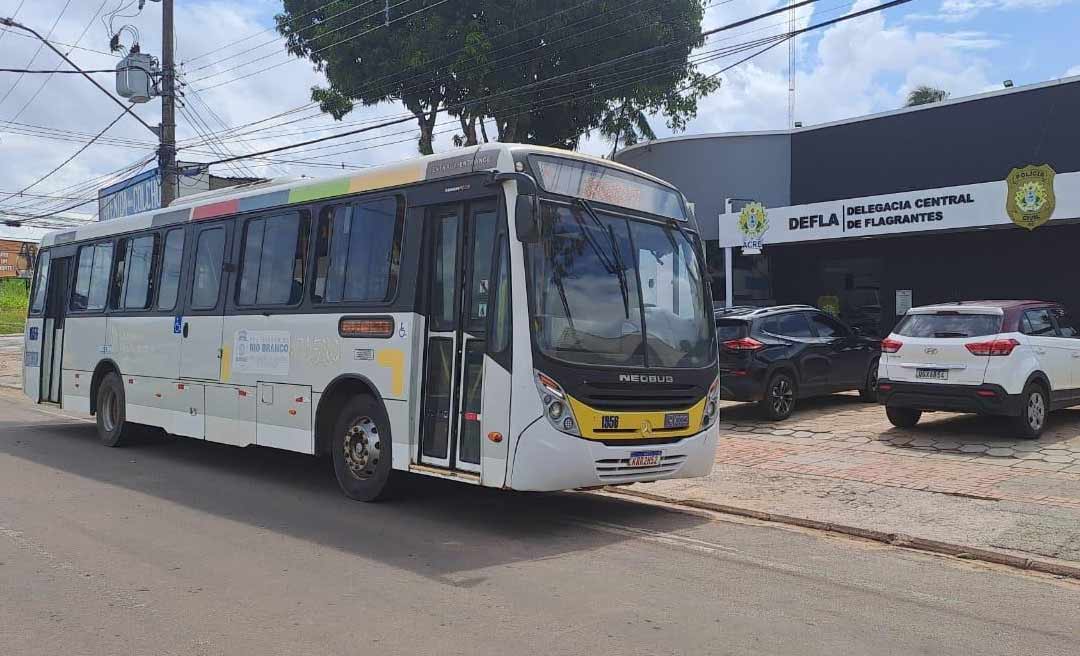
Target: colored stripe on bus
{"x": 170, "y": 218}
{"x": 215, "y": 210}
{"x": 319, "y": 191}
{"x": 263, "y": 201}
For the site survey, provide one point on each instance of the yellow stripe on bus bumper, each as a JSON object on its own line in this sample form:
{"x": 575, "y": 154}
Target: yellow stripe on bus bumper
{"x": 597, "y": 424}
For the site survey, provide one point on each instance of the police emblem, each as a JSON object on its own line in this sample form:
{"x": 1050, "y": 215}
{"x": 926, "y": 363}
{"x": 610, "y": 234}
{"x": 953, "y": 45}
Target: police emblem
{"x": 753, "y": 222}
{"x": 1030, "y": 199}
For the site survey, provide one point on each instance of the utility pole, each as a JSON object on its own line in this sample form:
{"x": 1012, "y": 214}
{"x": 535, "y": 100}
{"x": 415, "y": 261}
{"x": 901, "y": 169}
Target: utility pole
{"x": 167, "y": 149}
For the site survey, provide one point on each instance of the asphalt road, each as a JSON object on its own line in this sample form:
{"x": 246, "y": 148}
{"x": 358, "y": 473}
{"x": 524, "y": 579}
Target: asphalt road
{"x": 182, "y": 547}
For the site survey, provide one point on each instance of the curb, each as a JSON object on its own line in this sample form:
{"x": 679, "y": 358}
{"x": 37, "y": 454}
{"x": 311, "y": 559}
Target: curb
{"x": 894, "y": 539}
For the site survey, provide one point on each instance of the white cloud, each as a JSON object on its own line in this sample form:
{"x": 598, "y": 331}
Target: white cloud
{"x": 964, "y": 10}
{"x": 1075, "y": 70}
{"x": 858, "y": 67}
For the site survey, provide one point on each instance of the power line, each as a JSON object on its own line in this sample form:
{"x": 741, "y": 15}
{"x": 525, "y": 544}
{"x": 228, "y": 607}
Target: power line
{"x": 4, "y": 30}
{"x": 37, "y": 52}
{"x": 707, "y": 33}
{"x": 28, "y": 71}
{"x": 278, "y": 41}
{"x": 255, "y": 34}
{"x": 69, "y": 159}
{"x": 332, "y": 45}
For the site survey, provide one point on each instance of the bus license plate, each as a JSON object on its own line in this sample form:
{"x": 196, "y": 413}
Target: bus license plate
{"x": 645, "y": 458}
{"x": 933, "y": 374}
{"x": 677, "y": 420}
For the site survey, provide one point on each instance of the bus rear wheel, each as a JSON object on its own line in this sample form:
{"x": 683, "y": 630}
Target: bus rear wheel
{"x": 361, "y": 450}
{"x": 112, "y": 425}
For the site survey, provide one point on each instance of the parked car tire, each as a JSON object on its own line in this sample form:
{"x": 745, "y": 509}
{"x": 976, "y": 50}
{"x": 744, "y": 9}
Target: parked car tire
{"x": 903, "y": 417}
{"x": 112, "y": 426}
{"x": 361, "y": 450}
{"x": 1032, "y": 420}
{"x": 780, "y": 395}
{"x": 869, "y": 391}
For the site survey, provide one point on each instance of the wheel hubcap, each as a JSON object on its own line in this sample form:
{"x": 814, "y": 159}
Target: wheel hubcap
{"x": 1036, "y": 411}
{"x": 110, "y": 411}
{"x": 782, "y": 396}
{"x": 362, "y": 448}
{"x": 873, "y": 379}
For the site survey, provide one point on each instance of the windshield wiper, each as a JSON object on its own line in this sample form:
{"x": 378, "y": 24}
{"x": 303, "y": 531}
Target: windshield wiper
{"x": 619, "y": 266}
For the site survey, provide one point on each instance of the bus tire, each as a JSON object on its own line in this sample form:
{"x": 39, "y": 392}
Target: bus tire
{"x": 112, "y": 426}
{"x": 361, "y": 450}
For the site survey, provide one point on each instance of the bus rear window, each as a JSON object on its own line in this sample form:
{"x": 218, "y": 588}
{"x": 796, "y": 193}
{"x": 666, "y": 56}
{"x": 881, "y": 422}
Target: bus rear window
{"x": 949, "y": 324}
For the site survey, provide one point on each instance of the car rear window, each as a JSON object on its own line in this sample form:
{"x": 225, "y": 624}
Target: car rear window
{"x": 949, "y": 324}
{"x": 727, "y": 330}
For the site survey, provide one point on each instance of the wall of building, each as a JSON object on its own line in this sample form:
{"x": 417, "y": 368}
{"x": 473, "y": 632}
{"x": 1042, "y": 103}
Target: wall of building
{"x": 709, "y": 169}
{"x": 954, "y": 143}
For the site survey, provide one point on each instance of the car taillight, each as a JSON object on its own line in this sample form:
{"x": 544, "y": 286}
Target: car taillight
{"x": 994, "y": 347}
{"x": 743, "y": 344}
{"x": 889, "y": 345}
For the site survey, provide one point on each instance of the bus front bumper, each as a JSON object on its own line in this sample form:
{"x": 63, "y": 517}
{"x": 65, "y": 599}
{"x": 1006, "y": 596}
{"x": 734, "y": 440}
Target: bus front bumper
{"x": 547, "y": 460}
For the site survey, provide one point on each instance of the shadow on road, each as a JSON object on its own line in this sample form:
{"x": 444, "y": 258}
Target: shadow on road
{"x": 433, "y": 527}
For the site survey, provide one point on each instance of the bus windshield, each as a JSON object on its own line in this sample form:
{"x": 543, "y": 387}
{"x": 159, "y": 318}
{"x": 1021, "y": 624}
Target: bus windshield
{"x": 610, "y": 290}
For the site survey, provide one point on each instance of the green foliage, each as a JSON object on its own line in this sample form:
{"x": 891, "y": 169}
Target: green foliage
{"x": 924, "y": 95}
{"x": 545, "y": 72}
{"x": 14, "y": 298}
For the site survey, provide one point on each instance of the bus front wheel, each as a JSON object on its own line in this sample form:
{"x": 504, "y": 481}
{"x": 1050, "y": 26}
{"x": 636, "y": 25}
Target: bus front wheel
{"x": 362, "y": 450}
{"x": 112, "y": 425}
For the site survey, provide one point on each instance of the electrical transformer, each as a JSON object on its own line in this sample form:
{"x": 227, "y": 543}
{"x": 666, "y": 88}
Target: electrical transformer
{"x": 135, "y": 77}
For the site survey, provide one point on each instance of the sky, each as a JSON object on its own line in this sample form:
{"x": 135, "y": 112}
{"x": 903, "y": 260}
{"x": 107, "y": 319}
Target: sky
{"x": 859, "y": 67}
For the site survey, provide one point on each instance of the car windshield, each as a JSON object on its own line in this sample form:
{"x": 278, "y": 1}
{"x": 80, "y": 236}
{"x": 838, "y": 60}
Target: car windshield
{"x": 609, "y": 290}
{"x": 948, "y": 324}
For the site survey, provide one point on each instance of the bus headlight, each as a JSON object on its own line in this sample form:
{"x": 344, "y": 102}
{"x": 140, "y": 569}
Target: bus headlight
{"x": 712, "y": 405}
{"x": 556, "y": 407}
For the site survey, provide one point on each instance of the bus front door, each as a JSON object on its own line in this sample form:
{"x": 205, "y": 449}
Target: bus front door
{"x": 52, "y": 329}
{"x": 460, "y": 245}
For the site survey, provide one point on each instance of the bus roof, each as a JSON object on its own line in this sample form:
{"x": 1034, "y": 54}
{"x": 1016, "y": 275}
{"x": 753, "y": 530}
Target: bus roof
{"x": 497, "y": 157}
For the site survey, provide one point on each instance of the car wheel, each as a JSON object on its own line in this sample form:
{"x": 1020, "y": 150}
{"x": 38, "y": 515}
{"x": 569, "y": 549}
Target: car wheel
{"x": 112, "y": 426}
{"x": 869, "y": 391}
{"x": 903, "y": 417}
{"x": 361, "y": 450}
{"x": 1033, "y": 413}
{"x": 779, "y": 401}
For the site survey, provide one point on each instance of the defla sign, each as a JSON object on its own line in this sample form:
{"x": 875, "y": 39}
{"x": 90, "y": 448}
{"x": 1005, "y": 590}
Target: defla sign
{"x": 1030, "y": 197}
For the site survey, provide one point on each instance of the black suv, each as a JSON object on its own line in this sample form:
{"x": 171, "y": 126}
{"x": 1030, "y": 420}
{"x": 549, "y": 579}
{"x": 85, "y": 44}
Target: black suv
{"x": 776, "y": 355}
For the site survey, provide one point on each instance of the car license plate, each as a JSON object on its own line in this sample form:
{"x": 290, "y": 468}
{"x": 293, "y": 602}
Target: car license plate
{"x": 645, "y": 458}
{"x": 677, "y": 420}
{"x": 933, "y": 374}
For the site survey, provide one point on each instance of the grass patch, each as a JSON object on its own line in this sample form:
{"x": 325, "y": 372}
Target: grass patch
{"x": 14, "y": 297}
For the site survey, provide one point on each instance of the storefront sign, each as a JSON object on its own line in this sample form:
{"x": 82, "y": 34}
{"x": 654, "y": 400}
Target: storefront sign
{"x": 1033, "y": 193}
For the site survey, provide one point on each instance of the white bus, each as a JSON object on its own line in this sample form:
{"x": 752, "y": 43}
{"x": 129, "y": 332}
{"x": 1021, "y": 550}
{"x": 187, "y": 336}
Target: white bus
{"x": 509, "y": 316}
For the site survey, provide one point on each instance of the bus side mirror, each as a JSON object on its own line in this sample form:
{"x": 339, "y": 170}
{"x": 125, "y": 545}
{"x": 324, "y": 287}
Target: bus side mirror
{"x": 525, "y": 219}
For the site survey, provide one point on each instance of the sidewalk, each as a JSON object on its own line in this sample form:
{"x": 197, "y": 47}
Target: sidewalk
{"x": 11, "y": 361}
{"x": 954, "y": 478}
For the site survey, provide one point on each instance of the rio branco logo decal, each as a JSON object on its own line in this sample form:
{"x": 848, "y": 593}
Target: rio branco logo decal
{"x": 1030, "y": 197}
{"x": 753, "y": 222}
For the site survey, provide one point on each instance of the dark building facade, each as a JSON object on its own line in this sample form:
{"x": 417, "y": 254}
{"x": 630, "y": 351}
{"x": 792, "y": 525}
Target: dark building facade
{"x": 867, "y": 216}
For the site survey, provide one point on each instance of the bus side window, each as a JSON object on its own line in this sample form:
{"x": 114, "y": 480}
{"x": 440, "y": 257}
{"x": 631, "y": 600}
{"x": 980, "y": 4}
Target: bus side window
{"x": 358, "y": 251}
{"x": 41, "y": 280}
{"x": 172, "y": 259}
{"x": 92, "y": 278}
{"x": 272, "y": 264}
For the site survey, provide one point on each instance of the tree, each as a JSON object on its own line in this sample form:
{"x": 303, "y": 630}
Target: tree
{"x": 542, "y": 72}
{"x": 924, "y": 95}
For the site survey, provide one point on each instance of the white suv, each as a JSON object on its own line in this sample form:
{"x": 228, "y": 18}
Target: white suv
{"x": 1019, "y": 359}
